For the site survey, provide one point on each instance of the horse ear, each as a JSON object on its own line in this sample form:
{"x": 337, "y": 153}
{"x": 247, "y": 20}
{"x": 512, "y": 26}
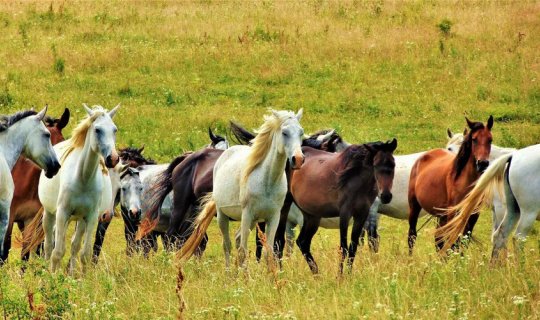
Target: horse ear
{"x": 393, "y": 145}
{"x": 326, "y": 136}
{"x": 490, "y": 123}
{"x": 212, "y": 135}
{"x": 88, "y": 110}
{"x": 465, "y": 132}
{"x": 64, "y": 119}
{"x": 113, "y": 111}
{"x": 469, "y": 123}
{"x": 299, "y": 114}
{"x": 141, "y": 149}
{"x": 449, "y": 133}
{"x": 42, "y": 113}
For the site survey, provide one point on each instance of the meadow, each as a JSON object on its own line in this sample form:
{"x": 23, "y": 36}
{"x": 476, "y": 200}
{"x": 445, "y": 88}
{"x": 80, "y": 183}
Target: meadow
{"x": 373, "y": 70}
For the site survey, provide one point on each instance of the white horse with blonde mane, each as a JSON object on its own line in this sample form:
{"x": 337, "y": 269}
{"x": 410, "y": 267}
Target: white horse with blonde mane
{"x": 82, "y": 189}
{"x": 22, "y": 133}
{"x": 250, "y": 184}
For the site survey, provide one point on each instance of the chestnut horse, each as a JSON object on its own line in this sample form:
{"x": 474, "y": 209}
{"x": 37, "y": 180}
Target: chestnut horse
{"x": 341, "y": 185}
{"x": 25, "y": 204}
{"x": 441, "y": 179}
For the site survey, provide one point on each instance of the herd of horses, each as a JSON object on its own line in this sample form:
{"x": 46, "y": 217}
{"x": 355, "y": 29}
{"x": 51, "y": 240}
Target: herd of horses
{"x": 275, "y": 179}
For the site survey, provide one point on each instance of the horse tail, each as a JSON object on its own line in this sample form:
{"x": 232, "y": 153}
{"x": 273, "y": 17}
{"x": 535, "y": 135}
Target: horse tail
{"x": 157, "y": 194}
{"x": 199, "y": 228}
{"x": 479, "y": 196}
{"x": 33, "y": 234}
{"x": 241, "y": 135}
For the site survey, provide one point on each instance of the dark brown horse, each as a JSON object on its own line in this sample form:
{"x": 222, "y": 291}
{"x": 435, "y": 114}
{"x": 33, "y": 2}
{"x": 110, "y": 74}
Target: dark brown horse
{"x": 341, "y": 185}
{"x": 441, "y": 179}
{"x": 25, "y": 204}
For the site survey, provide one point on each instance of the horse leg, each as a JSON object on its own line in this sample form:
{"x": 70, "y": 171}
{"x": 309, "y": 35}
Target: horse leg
{"x": 309, "y": 228}
{"x": 290, "y": 234}
{"x": 4, "y": 222}
{"x": 76, "y": 242}
{"x": 223, "y": 223}
{"x": 48, "y": 228}
{"x": 513, "y": 213}
{"x": 247, "y": 223}
{"x": 86, "y": 253}
{"x": 414, "y": 212}
{"x": 130, "y": 229}
{"x": 7, "y": 243}
{"x": 499, "y": 208}
{"x": 439, "y": 244}
{"x": 62, "y": 221}
{"x": 355, "y": 236}
{"x": 279, "y": 245}
{"x": 525, "y": 224}
{"x": 371, "y": 226}
{"x": 343, "y": 227}
{"x": 272, "y": 226}
{"x": 258, "y": 252}
{"x": 470, "y": 225}
{"x": 100, "y": 237}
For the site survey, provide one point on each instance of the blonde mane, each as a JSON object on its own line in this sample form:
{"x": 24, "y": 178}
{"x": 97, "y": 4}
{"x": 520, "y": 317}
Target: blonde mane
{"x": 263, "y": 141}
{"x": 78, "y": 136}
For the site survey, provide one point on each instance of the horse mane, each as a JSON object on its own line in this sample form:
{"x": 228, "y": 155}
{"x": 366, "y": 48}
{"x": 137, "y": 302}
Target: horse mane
{"x": 263, "y": 140}
{"x": 78, "y": 136}
{"x": 464, "y": 152}
{"x": 9, "y": 120}
{"x": 130, "y": 153}
{"x": 456, "y": 139}
{"x": 353, "y": 158}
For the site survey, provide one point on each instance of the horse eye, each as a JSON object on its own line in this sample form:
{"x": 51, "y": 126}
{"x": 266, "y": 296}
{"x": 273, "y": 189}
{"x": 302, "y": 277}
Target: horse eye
{"x": 285, "y": 134}
{"x": 47, "y": 135}
{"x": 98, "y": 130}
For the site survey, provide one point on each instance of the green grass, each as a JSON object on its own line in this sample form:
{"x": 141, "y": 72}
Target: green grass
{"x": 373, "y": 70}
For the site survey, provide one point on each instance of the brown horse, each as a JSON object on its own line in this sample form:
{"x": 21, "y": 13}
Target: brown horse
{"x": 25, "y": 204}
{"x": 441, "y": 179}
{"x": 341, "y": 185}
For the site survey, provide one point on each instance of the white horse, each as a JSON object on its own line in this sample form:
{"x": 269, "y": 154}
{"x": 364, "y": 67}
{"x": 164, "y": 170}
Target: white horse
{"x": 519, "y": 172}
{"x": 250, "y": 184}
{"x": 82, "y": 189}
{"x": 22, "y": 133}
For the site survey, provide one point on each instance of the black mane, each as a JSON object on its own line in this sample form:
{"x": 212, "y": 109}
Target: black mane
{"x": 134, "y": 154}
{"x": 9, "y": 120}
{"x": 355, "y": 157}
{"x": 465, "y": 150}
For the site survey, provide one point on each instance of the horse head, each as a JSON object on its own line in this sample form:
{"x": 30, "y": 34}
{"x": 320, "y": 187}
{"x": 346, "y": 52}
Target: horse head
{"x": 384, "y": 165}
{"x": 479, "y": 141}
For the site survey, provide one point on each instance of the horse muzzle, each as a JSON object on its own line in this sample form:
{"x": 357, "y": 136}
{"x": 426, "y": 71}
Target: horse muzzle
{"x": 297, "y": 161}
{"x": 135, "y": 213}
{"x": 111, "y": 161}
{"x": 52, "y": 169}
{"x": 385, "y": 197}
{"x": 481, "y": 165}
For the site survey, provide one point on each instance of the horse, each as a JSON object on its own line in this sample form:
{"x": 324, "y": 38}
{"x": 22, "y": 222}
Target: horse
{"x": 518, "y": 173}
{"x": 441, "y": 179}
{"x": 249, "y": 184}
{"x": 22, "y": 133}
{"x": 148, "y": 170}
{"x": 82, "y": 189}
{"x": 25, "y": 203}
{"x": 341, "y": 185}
{"x": 499, "y": 203}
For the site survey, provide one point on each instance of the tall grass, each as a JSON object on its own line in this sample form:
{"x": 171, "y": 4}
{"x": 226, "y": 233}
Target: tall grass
{"x": 373, "y": 70}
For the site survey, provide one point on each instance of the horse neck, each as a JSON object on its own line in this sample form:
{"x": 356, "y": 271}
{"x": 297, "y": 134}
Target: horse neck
{"x": 88, "y": 163}
{"x": 273, "y": 165}
{"x": 12, "y": 144}
{"x": 469, "y": 173}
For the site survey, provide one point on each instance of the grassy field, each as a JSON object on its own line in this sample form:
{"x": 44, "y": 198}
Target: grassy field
{"x": 373, "y": 70}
